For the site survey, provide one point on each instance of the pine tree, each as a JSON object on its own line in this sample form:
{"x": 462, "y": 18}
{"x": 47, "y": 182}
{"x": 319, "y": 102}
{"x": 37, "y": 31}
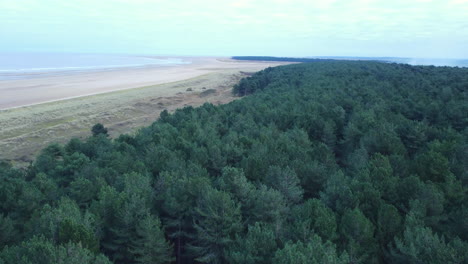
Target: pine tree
{"x": 8, "y": 231}
{"x": 217, "y": 219}
{"x": 99, "y": 129}
{"x": 123, "y": 230}
{"x": 254, "y": 248}
{"x": 39, "y": 250}
{"x": 421, "y": 245}
{"x": 150, "y": 246}
{"x": 313, "y": 217}
{"x": 286, "y": 181}
{"x": 313, "y": 252}
{"x": 358, "y": 234}
{"x": 178, "y": 193}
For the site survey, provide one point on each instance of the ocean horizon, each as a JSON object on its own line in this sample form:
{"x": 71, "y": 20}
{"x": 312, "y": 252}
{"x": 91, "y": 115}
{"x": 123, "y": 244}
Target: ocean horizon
{"x": 14, "y": 66}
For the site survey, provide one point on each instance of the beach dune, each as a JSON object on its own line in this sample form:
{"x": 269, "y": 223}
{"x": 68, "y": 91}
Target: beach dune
{"x": 41, "y": 89}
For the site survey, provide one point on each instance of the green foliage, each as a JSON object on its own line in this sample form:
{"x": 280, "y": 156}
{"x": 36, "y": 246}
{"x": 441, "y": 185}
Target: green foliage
{"x": 66, "y": 223}
{"x": 83, "y": 191}
{"x": 234, "y": 181}
{"x": 337, "y": 193}
{"x": 313, "y": 217}
{"x": 178, "y": 193}
{"x": 382, "y": 178}
{"x": 267, "y": 58}
{"x": 389, "y": 224}
{"x": 8, "y": 231}
{"x": 36, "y": 250}
{"x": 216, "y": 221}
{"x": 267, "y": 205}
{"x": 421, "y": 245}
{"x": 75, "y": 254}
{"x": 286, "y": 181}
{"x": 313, "y": 252}
{"x": 39, "y": 250}
{"x": 99, "y": 129}
{"x": 255, "y": 248}
{"x": 358, "y": 232}
{"x": 150, "y": 246}
{"x": 122, "y": 229}
{"x": 77, "y": 233}
{"x": 432, "y": 166}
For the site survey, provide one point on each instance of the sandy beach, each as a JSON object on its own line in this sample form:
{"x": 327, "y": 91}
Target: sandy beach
{"x": 17, "y": 93}
{"x": 40, "y": 111}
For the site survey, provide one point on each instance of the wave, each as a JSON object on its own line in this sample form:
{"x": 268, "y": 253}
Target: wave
{"x": 87, "y": 67}
{"x": 25, "y": 66}
{"x": 110, "y": 66}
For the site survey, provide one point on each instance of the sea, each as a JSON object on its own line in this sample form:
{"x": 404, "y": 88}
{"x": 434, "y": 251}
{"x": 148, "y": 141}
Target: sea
{"x": 14, "y": 66}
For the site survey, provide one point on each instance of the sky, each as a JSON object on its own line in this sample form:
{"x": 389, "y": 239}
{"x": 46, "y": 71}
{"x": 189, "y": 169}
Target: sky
{"x": 297, "y": 28}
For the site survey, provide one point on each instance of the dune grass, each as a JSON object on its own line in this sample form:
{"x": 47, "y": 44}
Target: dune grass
{"x": 25, "y": 131}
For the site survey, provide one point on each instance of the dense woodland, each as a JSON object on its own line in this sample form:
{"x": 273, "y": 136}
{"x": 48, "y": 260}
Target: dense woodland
{"x": 322, "y": 162}
{"x": 267, "y": 58}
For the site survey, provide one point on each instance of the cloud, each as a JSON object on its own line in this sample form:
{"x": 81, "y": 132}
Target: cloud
{"x": 401, "y": 23}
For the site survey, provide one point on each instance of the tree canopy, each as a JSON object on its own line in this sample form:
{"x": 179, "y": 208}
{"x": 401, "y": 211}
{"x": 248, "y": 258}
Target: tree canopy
{"x": 320, "y": 162}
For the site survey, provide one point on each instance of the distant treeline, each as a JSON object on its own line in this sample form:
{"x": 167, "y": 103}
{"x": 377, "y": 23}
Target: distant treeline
{"x": 331, "y": 162}
{"x": 266, "y": 58}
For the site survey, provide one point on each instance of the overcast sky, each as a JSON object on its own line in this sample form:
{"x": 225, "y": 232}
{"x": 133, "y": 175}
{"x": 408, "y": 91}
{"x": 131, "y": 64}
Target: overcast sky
{"x": 403, "y": 28}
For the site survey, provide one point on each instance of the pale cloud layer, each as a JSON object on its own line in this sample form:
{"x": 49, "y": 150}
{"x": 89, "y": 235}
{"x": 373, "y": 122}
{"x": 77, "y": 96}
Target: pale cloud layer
{"x": 417, "y": 28}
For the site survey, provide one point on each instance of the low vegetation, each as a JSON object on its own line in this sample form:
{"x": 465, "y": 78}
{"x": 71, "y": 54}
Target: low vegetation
{"x": 25, "y": 131}
{"x": 322, "y": 162}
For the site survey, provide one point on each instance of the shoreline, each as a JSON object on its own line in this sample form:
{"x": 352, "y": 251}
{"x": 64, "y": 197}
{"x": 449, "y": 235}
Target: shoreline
{"x": 33, "y": 91}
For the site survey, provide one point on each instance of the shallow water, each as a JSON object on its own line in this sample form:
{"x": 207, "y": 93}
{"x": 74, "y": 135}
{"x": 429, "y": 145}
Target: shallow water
{"x": 15, "y": 66}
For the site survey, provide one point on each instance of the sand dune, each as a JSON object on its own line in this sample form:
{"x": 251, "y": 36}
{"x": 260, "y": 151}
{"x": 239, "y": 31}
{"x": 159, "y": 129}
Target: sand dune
{"x": 40, "y": 89}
